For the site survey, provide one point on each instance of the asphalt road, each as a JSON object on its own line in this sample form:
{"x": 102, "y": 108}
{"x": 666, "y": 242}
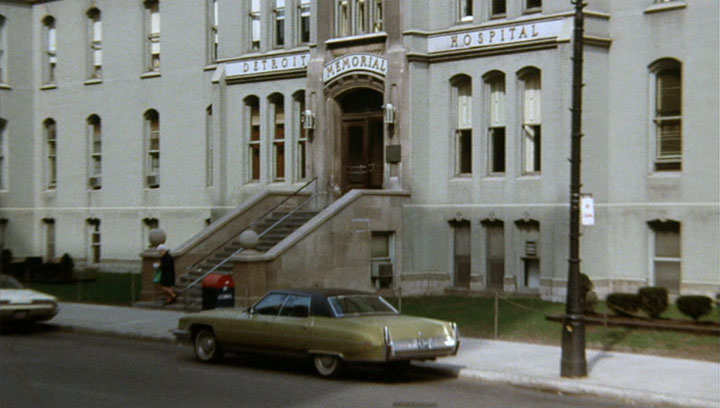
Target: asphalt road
{"x": 44, "y": 367}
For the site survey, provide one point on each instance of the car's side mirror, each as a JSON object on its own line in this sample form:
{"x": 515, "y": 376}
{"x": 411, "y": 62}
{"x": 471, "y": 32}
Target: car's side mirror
{"x": 250, "y": 310}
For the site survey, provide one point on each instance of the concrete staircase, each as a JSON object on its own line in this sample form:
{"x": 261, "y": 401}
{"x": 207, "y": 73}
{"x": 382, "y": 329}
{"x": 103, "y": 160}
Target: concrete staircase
{"x": 191, "y": 299}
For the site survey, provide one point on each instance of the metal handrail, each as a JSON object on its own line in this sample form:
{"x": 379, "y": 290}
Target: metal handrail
{"x": 252, "y": 224}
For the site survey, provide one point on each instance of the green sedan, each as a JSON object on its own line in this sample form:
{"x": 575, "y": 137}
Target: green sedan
{"x": 331, "y": 326}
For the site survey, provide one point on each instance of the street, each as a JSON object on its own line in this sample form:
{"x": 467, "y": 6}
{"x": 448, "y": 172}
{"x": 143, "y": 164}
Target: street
{"x": 46, "y": 367}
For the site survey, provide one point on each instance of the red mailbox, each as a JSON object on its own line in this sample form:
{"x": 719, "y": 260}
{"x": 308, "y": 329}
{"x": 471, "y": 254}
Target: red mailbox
{"x": 218, "y": 290}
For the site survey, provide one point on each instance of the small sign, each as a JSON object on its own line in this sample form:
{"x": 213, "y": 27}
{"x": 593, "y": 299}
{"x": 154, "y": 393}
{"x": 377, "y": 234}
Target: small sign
{"x": 587, "y": 210}
{"x": 355, "y": 62}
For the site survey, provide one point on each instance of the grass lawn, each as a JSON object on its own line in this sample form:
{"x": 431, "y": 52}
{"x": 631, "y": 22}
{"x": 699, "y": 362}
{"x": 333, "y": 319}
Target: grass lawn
{"x": 523, "y": 320}
{"x": 104, "y": 288}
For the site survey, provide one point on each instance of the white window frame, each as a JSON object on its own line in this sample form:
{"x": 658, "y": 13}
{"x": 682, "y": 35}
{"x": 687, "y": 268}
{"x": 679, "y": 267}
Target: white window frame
{"x": 531, "y": 130}
{"x": 152, "y": 35}
{"x": 50, "y": 52}
{"x": 279, "y": 23}
{"x": 304, "y": 19}
{"x": 213, "y": 24}
{"x": 279, "y": 170}
{"x": 94, "y": 20}
{"x": 666, "y": 161}
{"x": 252, "y": 106}
{"x": 152, "y": 148}
{"x": 50, "y": 132}
{"x": 255, "y": 25}
{"x": 94, "y": 128}
{"x": 655, "y": 228}
{"x": 462, "y": 102}
{"x": 497, "y": 107}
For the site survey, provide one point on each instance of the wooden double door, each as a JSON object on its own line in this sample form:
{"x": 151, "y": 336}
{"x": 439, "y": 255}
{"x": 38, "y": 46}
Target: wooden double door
{"x": 362, "y": 151}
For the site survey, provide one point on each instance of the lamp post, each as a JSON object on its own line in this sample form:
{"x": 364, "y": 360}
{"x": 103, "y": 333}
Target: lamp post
{"x": 573, "y": 363}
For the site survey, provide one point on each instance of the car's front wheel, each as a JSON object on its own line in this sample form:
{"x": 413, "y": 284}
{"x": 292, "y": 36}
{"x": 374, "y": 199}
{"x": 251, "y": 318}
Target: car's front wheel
{"x": 327, "y": 365}
{"x": 206, "y": 346}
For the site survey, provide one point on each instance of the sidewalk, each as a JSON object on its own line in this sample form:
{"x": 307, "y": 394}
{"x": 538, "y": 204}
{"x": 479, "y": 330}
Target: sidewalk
{"x": 626, "y": 376}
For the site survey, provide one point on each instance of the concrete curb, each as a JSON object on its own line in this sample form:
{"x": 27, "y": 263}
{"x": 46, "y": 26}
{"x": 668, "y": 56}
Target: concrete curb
{"x": 579, "y": 388}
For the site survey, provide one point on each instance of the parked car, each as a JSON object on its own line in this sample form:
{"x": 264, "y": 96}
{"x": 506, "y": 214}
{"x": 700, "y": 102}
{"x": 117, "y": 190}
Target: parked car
{"x": 20, "y": 305}
{"x": 331, "y": 326}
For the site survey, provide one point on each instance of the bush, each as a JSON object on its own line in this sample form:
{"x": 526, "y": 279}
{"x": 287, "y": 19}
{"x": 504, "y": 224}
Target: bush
{"x": 589, "y": 296}
{"x": 694, "y": 306}
{"x": 623, "y": 304}
{"x": 653, "y": 301}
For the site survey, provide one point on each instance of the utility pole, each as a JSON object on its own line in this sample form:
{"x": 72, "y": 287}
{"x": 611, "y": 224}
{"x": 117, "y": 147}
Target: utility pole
{"x": 573, "y": 363}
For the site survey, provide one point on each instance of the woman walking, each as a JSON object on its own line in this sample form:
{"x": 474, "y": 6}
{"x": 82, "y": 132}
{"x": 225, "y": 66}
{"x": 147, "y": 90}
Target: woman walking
{"x": 167, "y": 273}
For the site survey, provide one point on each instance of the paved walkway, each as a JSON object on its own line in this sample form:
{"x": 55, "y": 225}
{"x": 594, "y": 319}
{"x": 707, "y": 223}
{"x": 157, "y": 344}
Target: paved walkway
{"x": 631, "y": 377}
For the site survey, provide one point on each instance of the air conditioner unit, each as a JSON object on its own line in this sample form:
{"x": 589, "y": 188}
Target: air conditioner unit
{"x": 382, "y": 270}
{"x": 95, "y": 182}
{"x": 153, "y": 180}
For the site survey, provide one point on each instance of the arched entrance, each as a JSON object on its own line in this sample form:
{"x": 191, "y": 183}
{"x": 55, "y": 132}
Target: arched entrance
{"x": 361, "y": 139}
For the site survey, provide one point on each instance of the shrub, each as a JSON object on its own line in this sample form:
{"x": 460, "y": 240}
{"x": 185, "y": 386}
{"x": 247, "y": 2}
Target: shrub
{"x": 694, "y": 306}
{"x": 623, "y": 304}
{"x": 589, "y": 296}
{"x": 653, "y": 301}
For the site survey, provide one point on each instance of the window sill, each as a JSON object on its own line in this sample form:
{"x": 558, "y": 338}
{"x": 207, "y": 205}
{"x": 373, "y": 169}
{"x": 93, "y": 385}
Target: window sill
{"x": 530, "y": 176}
{"x": 495, "y": 177}
{"x": 533, "y": 10}
{"x": 48, "y": 86}
{"x": 363, "y": 38}
{"x": 3, "y": 85}
{"x": 49, "y": 194}
{"x": 93, "y": 81}
{"x": 151, "y": 74}
{"x": 666, "y": 6}
{"x": 211, "y": 66}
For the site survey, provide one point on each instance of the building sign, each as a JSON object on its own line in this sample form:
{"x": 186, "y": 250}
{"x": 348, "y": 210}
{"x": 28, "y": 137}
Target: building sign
{"x": 355, "y": 62}
{"x": 267, "y": 65}
{"x": 495, "y": 36}
{"x": 587, "y": 210}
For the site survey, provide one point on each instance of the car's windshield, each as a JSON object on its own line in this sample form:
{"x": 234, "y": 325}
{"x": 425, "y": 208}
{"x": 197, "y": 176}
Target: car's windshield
{"x": 8, "y": 282}
{"x": 357, "y": 305}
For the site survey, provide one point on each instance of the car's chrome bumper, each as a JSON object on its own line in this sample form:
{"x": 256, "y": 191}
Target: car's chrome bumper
{"x": 28, "y": 312}
{"x": 182, "y": 335}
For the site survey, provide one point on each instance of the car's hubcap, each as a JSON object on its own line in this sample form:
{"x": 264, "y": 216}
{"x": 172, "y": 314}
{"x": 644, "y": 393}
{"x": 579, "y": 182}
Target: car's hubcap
{"x": 205, "y": 345}
{"x": 326, "y": 365}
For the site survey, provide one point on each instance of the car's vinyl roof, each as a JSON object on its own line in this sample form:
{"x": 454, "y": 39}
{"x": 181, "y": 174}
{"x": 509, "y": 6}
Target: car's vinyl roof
{"x": 323, "y": 292}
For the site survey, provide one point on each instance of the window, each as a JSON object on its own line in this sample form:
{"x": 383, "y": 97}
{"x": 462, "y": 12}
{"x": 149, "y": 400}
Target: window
{"x": 465, "y": 8}
{"x": 3, "y": 48}
{"x": 279, "y": 23}
{"x": 270, "y": 304}
{"x": 382, "y": 258}
{"x": 50, "y": 56}
{"x": 668, "y": 115}
{"x": 49, "y": 226}
{"x": 462, "y": 89}
{"x": 3, "y": 161}
{"x": 51, "y": 154}
{"x": 356, "y": 17}
{"x": 498, "y": 8}
{"x": 252, "y": 105}
{"x": 95, "y": 141}
{"x": 496, "y": 131}
{"x": 213, "y": 23}
{"x": 209, "y": 147}
{"x": 302, "y": 140}
{"x": 528, "y": 239}
{"x": 533, "y": 5}
{"x": 666, "y": 255}
{"x": 152, "y": 39}
{"x": 462, "y": 253}
{"x": 531, "y": 129}
{"x": 255, "y": 25}
{"x": 495, "y": 253}
{"x": 94, "y": 241}
{"x": 152, "y": 149}
{"x": 94, "y": 44}
{"x": 296, "y": 306}
{"x": 278, "y": 107}
{"x": 303, "y": 24}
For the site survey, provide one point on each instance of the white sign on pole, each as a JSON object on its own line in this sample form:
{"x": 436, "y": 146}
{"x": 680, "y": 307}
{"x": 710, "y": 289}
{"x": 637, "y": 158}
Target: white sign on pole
{"x": 587, "y": 210}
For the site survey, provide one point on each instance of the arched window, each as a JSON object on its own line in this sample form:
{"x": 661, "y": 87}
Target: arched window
{"x": 462, "y": 103}
{"x": 152, "y": 149}
{"x": 277, "y": 104}
{"x": 50, "y": 130}
{"x": 496, "y": 106}
{"x": 94, "y": 44}
{"x": 667, "y": 119}
{"x": 94, "y": 129}
{"x": 531, "y": 125}
{"x": 50, "y": 54}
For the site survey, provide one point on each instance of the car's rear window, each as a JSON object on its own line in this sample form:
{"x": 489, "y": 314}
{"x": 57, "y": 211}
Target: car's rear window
{"x": 358, "y": 305}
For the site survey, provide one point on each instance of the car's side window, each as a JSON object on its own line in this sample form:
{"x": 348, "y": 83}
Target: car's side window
{"x": 296, "y": 306}
{"x": 270, "y": 304}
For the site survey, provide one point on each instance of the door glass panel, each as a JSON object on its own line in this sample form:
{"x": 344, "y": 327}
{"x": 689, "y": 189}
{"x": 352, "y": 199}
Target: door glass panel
{"x": 296, "y": 306}
{"x": 270, "y": 304}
